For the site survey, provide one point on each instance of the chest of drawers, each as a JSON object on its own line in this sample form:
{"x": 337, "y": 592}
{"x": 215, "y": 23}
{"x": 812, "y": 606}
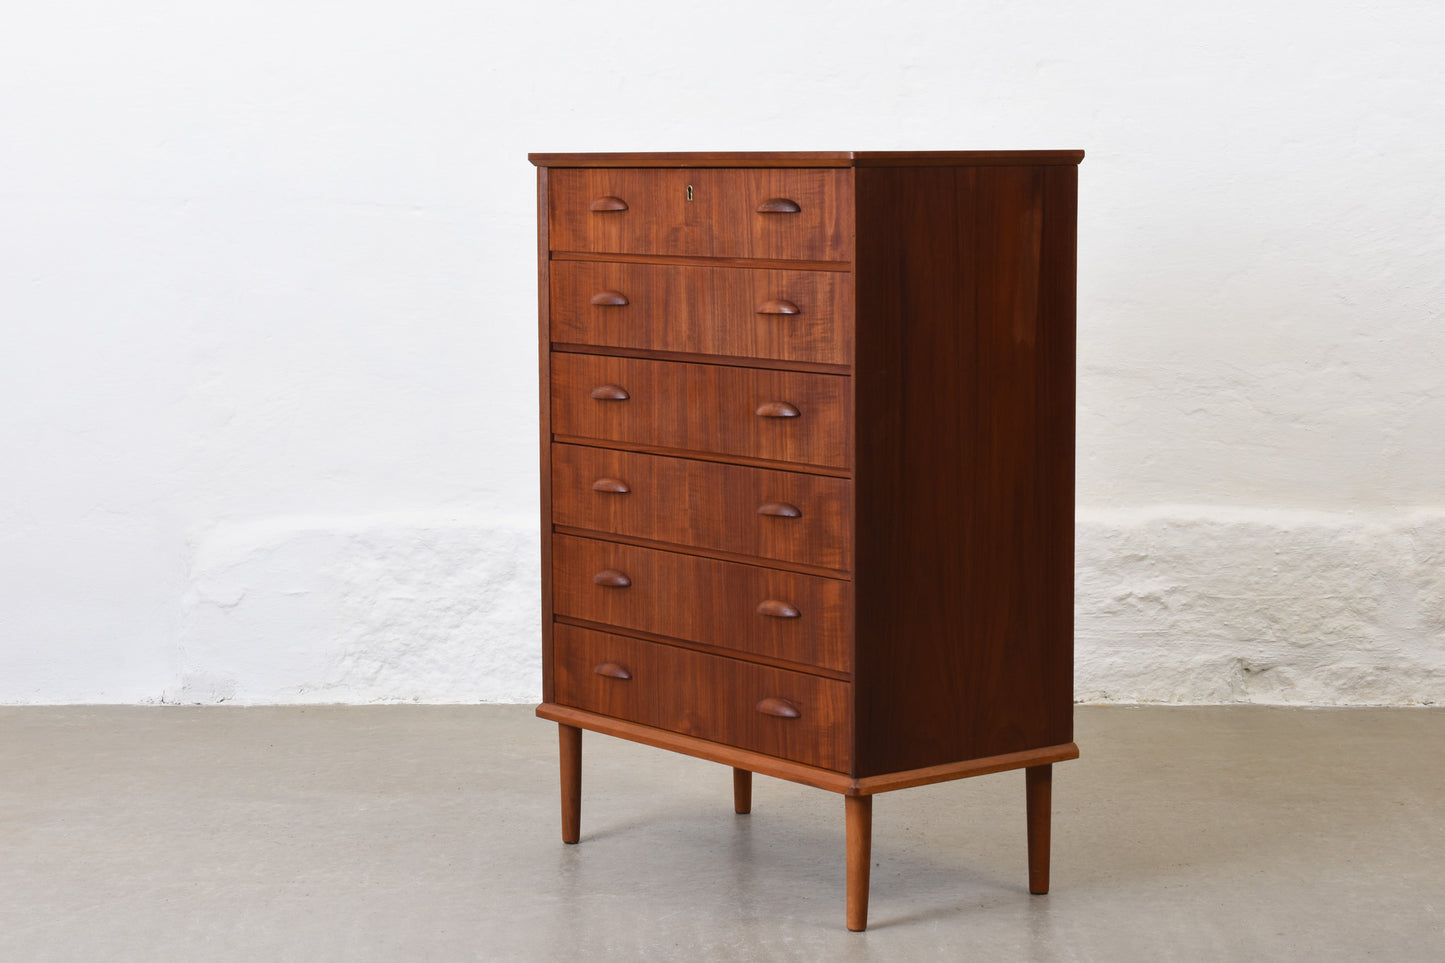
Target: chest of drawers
{"x": 808, "y": 468}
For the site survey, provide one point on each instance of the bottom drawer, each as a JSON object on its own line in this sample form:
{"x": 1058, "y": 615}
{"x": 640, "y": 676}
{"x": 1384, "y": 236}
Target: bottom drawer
{"x": 787, "y": 714}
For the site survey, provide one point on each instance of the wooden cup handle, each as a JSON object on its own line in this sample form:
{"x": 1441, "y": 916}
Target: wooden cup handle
{"x": 608, "y": 203}
{"x": 777, "y": 306}
{"x": 612, "y": 670}
{"x": 777, "y": 409}
{"x": 778, "y": 205}
{"x": 780, "y": 510}
{"x": 782, "y": 708}
{"x": 611, "y": 578}
{"x": 777, "y": 610}
{"x": 609, "y": 299}
{"x": 611, "y": 486}
{"x": 610, "y": 393}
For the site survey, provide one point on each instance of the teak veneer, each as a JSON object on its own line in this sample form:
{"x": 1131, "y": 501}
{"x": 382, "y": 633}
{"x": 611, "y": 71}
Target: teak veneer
{"x": 808, "y": 467}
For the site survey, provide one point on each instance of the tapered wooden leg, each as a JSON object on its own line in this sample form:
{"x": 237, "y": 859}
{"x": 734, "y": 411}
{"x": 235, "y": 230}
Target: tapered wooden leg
{"x": 570, "y": 743}
{"x": 859, "y": 814}
{"x": 742, "y": 791}
{"x": 1038, "y": 781}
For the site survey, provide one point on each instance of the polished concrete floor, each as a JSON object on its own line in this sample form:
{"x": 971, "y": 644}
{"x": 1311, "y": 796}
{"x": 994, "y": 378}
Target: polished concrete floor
{"x": 431, "y": 833}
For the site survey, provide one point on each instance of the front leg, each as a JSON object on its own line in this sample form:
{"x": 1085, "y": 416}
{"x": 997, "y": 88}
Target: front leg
{"x": 858, "y": 811}
{"x": 570, "y": 745}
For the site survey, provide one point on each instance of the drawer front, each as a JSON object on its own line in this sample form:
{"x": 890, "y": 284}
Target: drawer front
{"x": 783, "y": 515}
{"x": 742, "y": 312}
{"x": 791, "y": 715}
{"x": 799, "y": 214}
{"x": 753, "y": 412}
{"x": 801, "y": 618}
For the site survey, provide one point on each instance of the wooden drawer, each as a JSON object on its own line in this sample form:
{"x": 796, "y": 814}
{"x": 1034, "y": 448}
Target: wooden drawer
{"x": 742, "y": 312}
{"x": 684, "y": 502}
{"x": 788, "y": 714}
{"x": 752, "y": 412}
{"x": 799, "y": 214}
{"x": 800, "y": 618}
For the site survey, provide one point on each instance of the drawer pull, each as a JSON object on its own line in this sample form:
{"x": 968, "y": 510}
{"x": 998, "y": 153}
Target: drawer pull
{"x": 778, "y": 610}
{"x": 777, "y": 306}
{"x": 780, "y": 510}
{"x": 608, "y": 203}
{"x": 612, "y": 670}
{"x": 611, "y": 578}
{"x": 776, "y": 409}
{"x": 609, "y": 299}
{"x": 778, "y": 205}
{"x": 610, "y": 393}
{"x": 782, "y": 708}
{"x": 611, "y": 485}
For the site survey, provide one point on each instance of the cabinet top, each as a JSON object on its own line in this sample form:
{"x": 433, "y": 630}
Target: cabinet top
{"x": 823, "y": 158}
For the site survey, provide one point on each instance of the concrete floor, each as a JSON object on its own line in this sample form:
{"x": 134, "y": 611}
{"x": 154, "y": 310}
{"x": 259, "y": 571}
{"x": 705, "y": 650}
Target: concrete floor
{"x": 431, "y": 833}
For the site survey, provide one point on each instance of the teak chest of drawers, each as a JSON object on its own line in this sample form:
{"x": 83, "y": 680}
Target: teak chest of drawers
{"x": 808, "y": 468}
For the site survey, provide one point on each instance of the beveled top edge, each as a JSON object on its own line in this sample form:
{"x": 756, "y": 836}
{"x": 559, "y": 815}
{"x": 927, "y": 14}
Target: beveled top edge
{"x": 798, "y": 158}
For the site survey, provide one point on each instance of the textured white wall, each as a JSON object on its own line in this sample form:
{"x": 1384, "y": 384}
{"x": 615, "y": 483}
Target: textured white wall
{"x": 267, "y": 291}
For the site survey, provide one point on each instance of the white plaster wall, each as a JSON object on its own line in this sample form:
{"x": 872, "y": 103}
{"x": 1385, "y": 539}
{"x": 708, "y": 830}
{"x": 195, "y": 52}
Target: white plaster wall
{"x": 268, "y": 304}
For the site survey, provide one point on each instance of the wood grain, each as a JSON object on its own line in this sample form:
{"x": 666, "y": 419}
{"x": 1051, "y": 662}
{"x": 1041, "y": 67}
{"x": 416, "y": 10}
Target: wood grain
{"x": 964, "y": 466}
{"x": 705, "y": 310}
{"x": 705, "y": 600}
{"x": 680, "y": 501}
{"x": 706, "y": 696}
{"x": 700, "y": 407}
{"x": 721, "y": 221}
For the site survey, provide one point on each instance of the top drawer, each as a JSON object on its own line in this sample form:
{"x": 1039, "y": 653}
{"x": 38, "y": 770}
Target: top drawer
{"x": 799, "y": 214}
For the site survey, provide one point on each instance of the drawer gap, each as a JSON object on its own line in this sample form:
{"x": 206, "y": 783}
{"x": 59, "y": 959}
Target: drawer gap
{"x": 735, "y": 654}
{"x": 704, "y": 456}
{"x": 704, "y": 552}
{"x": 762, "y": 264}
{"x": 730, "y": 361}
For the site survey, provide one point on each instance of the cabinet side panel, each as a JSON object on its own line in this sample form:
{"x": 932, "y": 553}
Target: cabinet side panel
{"x": 964, "y": 454}
{"x": 544, "y": 348}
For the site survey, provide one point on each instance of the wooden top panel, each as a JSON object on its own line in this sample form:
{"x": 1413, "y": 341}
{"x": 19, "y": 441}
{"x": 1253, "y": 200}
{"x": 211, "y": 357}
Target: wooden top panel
{"x": 826, "y": 158}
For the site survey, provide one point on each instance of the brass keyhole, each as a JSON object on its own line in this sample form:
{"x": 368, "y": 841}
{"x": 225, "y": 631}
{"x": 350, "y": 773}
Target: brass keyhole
{"x": 689, "y": 192}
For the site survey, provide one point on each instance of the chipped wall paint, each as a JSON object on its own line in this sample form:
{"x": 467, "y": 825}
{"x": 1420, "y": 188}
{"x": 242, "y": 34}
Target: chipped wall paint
{"x": 266, "y": 285}
{"x": 417, "y": 607}
{"x": 1203, "y": 605}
